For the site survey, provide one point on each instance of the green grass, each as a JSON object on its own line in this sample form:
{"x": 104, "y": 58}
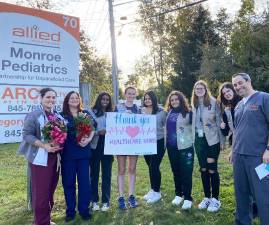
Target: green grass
{"x": 13, "y": 207}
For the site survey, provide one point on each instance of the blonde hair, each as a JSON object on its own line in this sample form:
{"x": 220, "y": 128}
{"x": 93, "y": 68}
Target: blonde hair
{"x": 194, "y": 97}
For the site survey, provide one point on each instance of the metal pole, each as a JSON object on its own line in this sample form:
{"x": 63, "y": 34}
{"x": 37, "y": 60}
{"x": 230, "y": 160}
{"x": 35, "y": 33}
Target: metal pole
{"x": 29, "y": 188}
{"x": 84, "y": 90}
{"x": 114, "y": 54}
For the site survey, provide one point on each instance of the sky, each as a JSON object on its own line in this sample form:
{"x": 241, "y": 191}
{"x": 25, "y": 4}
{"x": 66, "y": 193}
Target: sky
{"x": 129, "y": 41}
{"x": 94, "y": 19}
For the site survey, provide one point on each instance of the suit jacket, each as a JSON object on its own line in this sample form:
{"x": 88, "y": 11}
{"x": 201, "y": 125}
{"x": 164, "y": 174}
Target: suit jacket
{"x": 30, "y": 133}
{"x": 211, "y": 117}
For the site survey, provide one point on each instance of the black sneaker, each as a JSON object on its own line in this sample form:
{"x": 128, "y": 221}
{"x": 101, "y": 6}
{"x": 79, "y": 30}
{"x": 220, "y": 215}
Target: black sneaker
{"x": 69, "y": 218}
{"x": 254, "y": 210}
{"x": 86, "y": 216}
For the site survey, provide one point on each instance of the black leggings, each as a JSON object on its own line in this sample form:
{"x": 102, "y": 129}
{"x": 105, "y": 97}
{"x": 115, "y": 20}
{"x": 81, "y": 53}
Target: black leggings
{"x": 209, "y": 170}
{"x": 153, "y": 162}
{"x": 98, "y": 158}
{"x": 181, "y": 162}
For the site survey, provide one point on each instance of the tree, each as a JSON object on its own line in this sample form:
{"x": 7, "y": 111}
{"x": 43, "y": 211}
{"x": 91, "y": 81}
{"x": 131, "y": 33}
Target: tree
{"x": 217, "y": 62}
{"x": 144, "y": 77}
{"x": 94, "y": 69}
{"x": 144, "y": 74}
{"x": 216, "y": 66}
{"x": 223, "y": 27}
{"x": 250, "y": 44}
{"x": 241, "y": 33}
{"x": 193, "y": 30}
{"x": 37, "y": 4}
{"x": 155, "y": 27}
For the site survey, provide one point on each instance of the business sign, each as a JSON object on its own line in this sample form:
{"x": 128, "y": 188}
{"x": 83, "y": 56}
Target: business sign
{"x": 130, "y": 134}
{"x": 38, "y": 49}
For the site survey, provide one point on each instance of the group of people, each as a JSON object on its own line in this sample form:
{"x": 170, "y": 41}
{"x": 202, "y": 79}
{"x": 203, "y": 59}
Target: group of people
{"x": 240, "y": 112}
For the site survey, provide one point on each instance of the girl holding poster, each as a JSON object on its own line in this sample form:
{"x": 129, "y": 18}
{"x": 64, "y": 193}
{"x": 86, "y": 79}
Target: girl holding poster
{"x": 127, "y": 107}
{"x": 76, "y": 157}
{"x": 179, "y": 145}
{"x": 150, "y": 106}
{"x": 103, "y": 104}
{"x": 42, "y": 156}
{"x": 207, "y": 136}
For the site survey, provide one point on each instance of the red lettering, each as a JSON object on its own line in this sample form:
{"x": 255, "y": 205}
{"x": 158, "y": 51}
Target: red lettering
{"x": 7, "y": 93}
{"x": 20, "y": 91}
{"x": 32, "y": 32}
{"x": 33, "y": 93}
{"x": 56, "y": 37}
{"x": 18, "y": 32}
{"x": 44, "y": 36}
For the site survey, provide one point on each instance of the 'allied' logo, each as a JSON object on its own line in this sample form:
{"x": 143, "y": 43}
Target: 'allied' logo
{"x": 34, "y": 33}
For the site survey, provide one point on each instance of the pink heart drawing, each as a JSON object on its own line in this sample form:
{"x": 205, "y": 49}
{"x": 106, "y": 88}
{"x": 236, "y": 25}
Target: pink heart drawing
{"x": 132, "y": 131}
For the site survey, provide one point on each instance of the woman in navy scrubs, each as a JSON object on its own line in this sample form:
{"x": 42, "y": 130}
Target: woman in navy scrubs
{"x": 76, "y": 162}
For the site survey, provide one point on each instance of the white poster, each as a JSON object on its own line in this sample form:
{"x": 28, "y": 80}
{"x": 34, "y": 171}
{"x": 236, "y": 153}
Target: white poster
{"x": 38, "y": 49}
{"x": 130, "y": 134}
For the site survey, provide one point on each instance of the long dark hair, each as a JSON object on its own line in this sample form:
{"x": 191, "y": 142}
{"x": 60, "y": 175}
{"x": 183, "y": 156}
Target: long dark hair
{"x": 66, "y": 109}
{"x": 183, "y": 103}
{"x": 154, "y": 101}
{"x": 98, "y": 109}
{"x": 223, "y": 101}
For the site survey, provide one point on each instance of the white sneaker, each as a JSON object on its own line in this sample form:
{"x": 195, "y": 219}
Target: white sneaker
{"x": 95, "y": 206}
{"x": 177, "y": 200}
{"x": 187, "y": 204}
{"x": 214, "y": 205}
{"x": 105, "y": 207}
{"x": 204, "y": 204}
{"x": 148, "y": 195}
{"x": 154, "y": 197}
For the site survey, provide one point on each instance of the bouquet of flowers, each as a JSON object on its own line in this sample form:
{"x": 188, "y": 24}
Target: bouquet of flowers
{"x": 83, "y": 126}
{"x": 54, "y": 131}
